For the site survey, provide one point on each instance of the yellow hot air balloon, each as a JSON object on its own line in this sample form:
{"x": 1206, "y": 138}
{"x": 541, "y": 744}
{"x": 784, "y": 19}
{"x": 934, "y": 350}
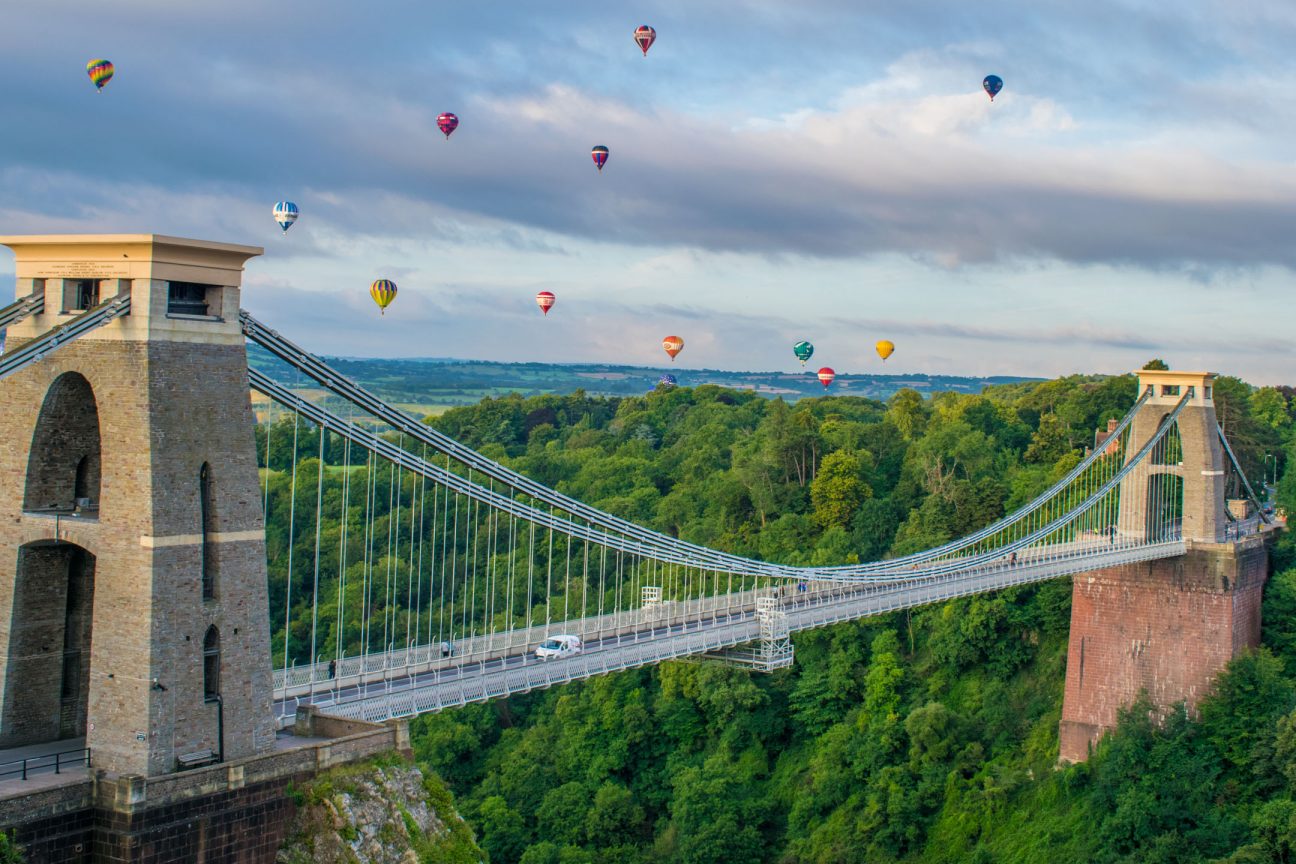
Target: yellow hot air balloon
{"x": 885, "y": 349}
{"x": 383, "y": 292}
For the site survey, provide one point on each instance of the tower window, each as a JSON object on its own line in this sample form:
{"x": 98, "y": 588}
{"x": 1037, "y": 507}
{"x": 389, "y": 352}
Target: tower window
{"x": 206, "y": 517}
{"x": 188, "y": 298}
{"x": 211, "y": 664}
{"x": 80, "y": 294}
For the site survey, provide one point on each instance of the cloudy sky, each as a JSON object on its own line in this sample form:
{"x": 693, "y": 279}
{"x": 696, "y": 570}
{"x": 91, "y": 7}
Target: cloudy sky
{"x": 826, "y": 170}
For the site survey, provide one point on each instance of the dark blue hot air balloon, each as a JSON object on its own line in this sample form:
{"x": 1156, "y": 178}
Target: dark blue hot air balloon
{"x": 668, "y": 380}
{"x": 992, "y": 84}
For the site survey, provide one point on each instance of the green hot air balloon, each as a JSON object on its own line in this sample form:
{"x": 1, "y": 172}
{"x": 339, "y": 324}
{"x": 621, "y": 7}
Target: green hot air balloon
{"x": 803, "y": 351}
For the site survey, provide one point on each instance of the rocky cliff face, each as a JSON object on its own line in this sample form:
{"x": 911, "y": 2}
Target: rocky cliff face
{"x": 385, "y": 812}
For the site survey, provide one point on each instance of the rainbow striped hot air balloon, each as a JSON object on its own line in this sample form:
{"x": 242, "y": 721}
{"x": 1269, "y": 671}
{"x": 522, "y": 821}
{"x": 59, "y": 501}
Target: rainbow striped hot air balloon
{"x": 285, "y": 213}
{"x": 383, "y": 292}
{"x": 600, "y": 156}
{"x": 100, "y": 72}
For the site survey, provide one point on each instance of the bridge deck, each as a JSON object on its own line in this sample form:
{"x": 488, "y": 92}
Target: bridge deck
{"x": 408, "y": 691}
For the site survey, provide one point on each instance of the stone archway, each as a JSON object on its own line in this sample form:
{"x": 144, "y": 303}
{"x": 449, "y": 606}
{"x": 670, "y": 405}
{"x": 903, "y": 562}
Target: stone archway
{"x": 47, "y": 675}
{"x": 64, "y": 466}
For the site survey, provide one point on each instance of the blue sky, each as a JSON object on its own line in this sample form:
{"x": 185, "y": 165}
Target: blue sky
{"x": 821, "y": 170}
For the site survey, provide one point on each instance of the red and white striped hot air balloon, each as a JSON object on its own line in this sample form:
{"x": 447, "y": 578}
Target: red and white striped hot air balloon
{"x": 645, "y": 36}
{"x": 826, "y": 376}
{"x": 545, "y": 300}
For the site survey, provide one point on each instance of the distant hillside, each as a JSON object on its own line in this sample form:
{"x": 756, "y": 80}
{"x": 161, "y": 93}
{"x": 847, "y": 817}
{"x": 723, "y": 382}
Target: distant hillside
{"x": 433, "y": 385}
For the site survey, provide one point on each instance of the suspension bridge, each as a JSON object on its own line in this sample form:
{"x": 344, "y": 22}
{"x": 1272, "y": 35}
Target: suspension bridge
{"x": 416, "y": 574}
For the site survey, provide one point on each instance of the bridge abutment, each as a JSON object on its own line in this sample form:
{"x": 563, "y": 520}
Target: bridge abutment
{"x": 1164, "y": 627}
{"x": 238, "y": 811}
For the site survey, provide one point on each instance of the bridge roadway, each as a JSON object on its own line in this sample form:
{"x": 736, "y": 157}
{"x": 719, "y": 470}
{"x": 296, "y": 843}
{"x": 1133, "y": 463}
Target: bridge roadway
{"x": 438, "y": 684}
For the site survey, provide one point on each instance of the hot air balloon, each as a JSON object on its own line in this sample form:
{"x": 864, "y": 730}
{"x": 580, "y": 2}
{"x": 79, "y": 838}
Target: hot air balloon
{"x": 645, "y": 36}
{"x": 100, "y": 72}
{"x": 383, "y": 292}
{"x": 992, "y": 84}
{"x": 803, "y": 351}
{"x": 885, "y": 349}
{"x": 826, "y": 376}
{"x": 672, "y": 345}
{"x": 447, "y": 123}
{"x": 600, "y": 155}
{"x": 545, "y": 300}
{"x": 285, "y": 213}
{"x": 668, "y": 380}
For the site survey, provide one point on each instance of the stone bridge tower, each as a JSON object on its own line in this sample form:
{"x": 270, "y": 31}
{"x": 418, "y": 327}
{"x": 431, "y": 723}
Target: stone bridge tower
{"x": 133, "y": 606}
{"x": 1194, "y": 465}
{"x": 1164, "y": 627}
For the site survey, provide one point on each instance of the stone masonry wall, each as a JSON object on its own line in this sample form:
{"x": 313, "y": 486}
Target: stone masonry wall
{"x": 1164, "y": 627}
{"x": 235, "y": 813}
{"x": 163, "y": 409}
{"x": 202, "y": 414}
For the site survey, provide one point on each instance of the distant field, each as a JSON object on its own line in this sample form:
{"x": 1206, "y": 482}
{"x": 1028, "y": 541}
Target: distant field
{"x": 430, "y": 387}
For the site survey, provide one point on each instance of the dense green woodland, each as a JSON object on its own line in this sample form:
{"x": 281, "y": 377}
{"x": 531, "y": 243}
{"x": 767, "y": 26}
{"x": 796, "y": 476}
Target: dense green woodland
{"x": 929, "y": 736}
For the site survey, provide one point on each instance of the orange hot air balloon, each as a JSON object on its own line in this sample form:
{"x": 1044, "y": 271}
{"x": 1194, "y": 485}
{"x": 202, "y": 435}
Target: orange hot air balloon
{"x": 885, "y": 349}
{"x": 826, "y": 376}
{"x": 545, "y": 300}
{"x": 672, "y": 345}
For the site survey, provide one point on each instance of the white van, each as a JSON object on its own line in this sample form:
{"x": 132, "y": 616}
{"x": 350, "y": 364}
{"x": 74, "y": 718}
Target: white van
{"x": 559, "y": 646}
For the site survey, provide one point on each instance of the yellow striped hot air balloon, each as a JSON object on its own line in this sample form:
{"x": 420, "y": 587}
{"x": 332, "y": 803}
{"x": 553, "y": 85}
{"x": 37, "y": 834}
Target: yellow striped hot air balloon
{"x": 383, "y": 292}
{"x": 885, "y": 349}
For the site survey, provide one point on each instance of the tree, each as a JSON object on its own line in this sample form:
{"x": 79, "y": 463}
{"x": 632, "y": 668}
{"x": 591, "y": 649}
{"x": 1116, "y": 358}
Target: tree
{"x": 1156, "y": 364}
{"x": 1269, "y": 406}
{"x": 908, "y": 413}
{"x": 839, "y": 489}
{"x": 10, "y": 851}
{"x": 1278, "y": 616}
{"x": 504, "y": 835}
{"x": 1049, "y": 442}
{"x": 615, "y": 818}
{"x": 561, "y": 813}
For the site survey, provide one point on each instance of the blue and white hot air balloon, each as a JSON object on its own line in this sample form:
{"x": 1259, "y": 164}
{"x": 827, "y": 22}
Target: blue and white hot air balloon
{"x": 285, "y": 213}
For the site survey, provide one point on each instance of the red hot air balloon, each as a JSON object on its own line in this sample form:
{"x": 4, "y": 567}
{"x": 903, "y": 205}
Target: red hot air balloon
{"x": 826, "y": 376}
{"x": 600, "y": 155}
{"x": 447, "y": 123}
{"x": 672, "y": 345}
{"x": 545, "y": 300}
{"x": 645, "y": 36}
